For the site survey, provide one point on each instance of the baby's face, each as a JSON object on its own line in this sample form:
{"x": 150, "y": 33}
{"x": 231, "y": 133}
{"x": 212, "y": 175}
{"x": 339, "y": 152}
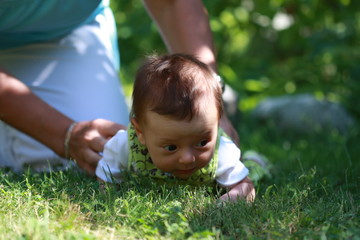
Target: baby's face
{"x": 181, "y": 147}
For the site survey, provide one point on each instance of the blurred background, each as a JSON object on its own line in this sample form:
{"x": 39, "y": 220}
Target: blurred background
{"x": 266, "y": 48}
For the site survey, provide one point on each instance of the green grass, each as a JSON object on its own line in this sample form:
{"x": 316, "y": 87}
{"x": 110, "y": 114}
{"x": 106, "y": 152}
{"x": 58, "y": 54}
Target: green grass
{"x": 314, "y": 193}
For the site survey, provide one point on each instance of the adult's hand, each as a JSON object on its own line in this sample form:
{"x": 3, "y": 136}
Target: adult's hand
{"x": 87, "y": 141}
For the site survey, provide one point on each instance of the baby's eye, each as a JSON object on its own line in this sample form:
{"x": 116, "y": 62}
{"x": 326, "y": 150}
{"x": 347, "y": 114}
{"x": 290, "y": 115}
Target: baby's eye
{"x": 202, "y": 143}
{"x": 170, "y": 148}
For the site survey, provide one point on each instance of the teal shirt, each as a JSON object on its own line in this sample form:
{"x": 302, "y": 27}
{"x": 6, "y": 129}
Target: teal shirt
{"x": 26, "y": 21}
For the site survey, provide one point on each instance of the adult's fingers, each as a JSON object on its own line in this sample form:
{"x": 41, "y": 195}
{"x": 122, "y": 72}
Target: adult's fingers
{"x": 88, "y": 139}
{"x": 97, "y": 143}
{"x": 88, "y": 161}
{"x": 107, "y": 128}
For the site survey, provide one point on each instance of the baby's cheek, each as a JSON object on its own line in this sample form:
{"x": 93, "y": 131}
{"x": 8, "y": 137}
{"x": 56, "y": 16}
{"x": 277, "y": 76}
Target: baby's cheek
{"x": 164, "y": 164}
{"x": 204, "y": 159}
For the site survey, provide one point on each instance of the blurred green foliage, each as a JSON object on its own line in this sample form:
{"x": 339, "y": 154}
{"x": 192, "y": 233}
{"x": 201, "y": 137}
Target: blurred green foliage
{"x": 266, "y": 47}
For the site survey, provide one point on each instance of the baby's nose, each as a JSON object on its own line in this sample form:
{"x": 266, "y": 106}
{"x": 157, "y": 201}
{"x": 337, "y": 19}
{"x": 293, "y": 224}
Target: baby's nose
{"x": 187, "y": 157}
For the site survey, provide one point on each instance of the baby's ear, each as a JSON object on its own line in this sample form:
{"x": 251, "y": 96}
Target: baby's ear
{"x": 138, "y": 130}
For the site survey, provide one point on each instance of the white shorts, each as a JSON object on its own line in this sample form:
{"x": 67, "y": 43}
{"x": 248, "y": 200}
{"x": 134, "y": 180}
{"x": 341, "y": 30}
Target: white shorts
{"x": 77, "y": 75}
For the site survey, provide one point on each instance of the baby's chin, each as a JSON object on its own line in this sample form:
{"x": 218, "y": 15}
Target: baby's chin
{"x": 184, "y": 174}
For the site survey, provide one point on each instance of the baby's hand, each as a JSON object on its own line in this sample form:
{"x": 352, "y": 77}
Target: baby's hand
{"x": 243, "y": 190}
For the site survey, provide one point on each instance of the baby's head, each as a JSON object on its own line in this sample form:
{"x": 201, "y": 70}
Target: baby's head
{"x": 172, "y": 85}
{"x": 176, "y": 110}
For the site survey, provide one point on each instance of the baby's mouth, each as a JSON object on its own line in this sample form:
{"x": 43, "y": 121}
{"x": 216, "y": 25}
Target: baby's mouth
{"x": 186, "y": 172}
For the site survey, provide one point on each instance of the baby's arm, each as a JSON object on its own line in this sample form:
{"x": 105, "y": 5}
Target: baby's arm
{"x": 241, "y": 190}
{"x": 232, "y": 174}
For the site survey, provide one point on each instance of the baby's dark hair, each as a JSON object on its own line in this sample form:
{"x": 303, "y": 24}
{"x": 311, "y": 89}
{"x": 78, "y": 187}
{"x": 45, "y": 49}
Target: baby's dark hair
{"x": 170, "y": 85}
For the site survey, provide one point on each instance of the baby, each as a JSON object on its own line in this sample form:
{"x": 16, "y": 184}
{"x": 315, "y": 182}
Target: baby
{"x": 174, "y": 132}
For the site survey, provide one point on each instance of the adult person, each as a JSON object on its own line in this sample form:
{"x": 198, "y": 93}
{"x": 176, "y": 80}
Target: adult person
{"x": 60, "y": 95}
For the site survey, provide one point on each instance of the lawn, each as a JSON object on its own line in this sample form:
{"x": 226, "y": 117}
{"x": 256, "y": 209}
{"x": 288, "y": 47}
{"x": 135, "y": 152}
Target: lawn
{"x": 313, "y": 194}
